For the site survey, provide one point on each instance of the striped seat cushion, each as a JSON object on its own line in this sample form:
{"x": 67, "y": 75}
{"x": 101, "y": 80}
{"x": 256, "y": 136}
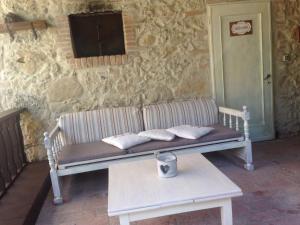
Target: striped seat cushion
{"x": 197, "y": 112}
{"x": 92, "y": 126}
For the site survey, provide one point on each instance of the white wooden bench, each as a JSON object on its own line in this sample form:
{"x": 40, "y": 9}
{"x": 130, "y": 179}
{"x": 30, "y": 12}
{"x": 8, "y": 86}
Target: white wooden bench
{"x": 75, "y": 146}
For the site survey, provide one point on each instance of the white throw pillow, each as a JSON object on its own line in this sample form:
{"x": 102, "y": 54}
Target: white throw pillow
{"x": 158, "y": 134}
{"x": 125, "y": 141}
{"x": 189, "y": 132}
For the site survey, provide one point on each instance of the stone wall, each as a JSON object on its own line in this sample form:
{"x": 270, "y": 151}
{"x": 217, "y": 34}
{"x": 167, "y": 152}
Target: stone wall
{"x": 171, "y": 62}
{"x": 286, "y": 22}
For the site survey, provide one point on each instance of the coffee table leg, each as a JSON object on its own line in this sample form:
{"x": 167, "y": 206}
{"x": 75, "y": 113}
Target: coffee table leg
{"x": 226, "y": 213}
{"x": 124, "y": 220}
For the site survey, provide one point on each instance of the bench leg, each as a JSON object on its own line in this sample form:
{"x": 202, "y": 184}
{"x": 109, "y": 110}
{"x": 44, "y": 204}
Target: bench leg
{"x": 55, "y": 180}
{"x": 247, "y": 153}
{"x": 244, "y": 153}
{"x": 56, "y": 187}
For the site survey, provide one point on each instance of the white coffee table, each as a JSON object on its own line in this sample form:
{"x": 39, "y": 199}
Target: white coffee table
{"x": 136, "y": 192}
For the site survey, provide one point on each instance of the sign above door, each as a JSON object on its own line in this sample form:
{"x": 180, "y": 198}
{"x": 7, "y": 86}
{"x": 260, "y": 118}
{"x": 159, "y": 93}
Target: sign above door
{"x": 239, "y": 28}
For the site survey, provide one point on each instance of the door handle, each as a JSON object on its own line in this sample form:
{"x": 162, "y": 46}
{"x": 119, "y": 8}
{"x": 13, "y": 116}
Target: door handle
{"x": 267, "y": 77}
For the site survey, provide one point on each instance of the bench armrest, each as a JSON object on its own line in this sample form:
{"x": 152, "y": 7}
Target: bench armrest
{"x": 229, "y": 114}
{"x": 53, "y": 143}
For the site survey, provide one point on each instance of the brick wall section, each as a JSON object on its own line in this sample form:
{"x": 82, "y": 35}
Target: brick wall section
{"x": 129, "y": 33}
{"x": 64, "y": 43}
{"x": 64, "y": 38}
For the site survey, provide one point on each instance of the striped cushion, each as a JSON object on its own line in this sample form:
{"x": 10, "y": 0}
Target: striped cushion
{"x": 92, "y": 126}
{"x": 198, "y": 112}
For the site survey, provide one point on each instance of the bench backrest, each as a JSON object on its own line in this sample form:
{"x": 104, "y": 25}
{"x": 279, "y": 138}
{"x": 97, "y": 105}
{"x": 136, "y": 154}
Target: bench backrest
{"x": 92, "y": 126}
{"x": 197, "y": 112}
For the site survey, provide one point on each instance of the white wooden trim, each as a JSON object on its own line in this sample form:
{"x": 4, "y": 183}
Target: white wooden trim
{"x": 212, "y": 148}
{"x": 232, "y": 112}
{"x": 271, "y": 72}
{"x": 105, "y": 164}
{"x": 98, "y": 165}
{"x": 209, "y": 5}
{"x": 211, "y": 52}
{"x": 54, "y": 132}
{"x": 224, "y": 204}
{"x": 245, "y": 115}
{"x": 140, "y": 210}
{"x": 63, "y": 166}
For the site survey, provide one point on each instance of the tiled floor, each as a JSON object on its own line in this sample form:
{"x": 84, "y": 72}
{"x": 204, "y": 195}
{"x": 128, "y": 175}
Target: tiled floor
{"x": 271, "y": 193}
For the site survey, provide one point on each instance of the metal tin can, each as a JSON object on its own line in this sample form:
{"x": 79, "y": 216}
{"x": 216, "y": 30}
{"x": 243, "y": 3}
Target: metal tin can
{"x": 166, "y": 164}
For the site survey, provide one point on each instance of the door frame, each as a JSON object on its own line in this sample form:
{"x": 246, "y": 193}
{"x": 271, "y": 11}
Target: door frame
{"x": 209, "y": 8}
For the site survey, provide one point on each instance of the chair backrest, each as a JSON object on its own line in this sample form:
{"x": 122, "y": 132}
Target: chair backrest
{"x": 92, "y": 126}
{"x": 198, "y": 112}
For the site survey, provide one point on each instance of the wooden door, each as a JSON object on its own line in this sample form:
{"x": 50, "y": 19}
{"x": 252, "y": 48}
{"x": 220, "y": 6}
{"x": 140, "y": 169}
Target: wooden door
{"x": 241, "y": 61}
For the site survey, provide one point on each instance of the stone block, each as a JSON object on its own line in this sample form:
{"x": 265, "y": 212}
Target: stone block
{"x": 64, "y": 89}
